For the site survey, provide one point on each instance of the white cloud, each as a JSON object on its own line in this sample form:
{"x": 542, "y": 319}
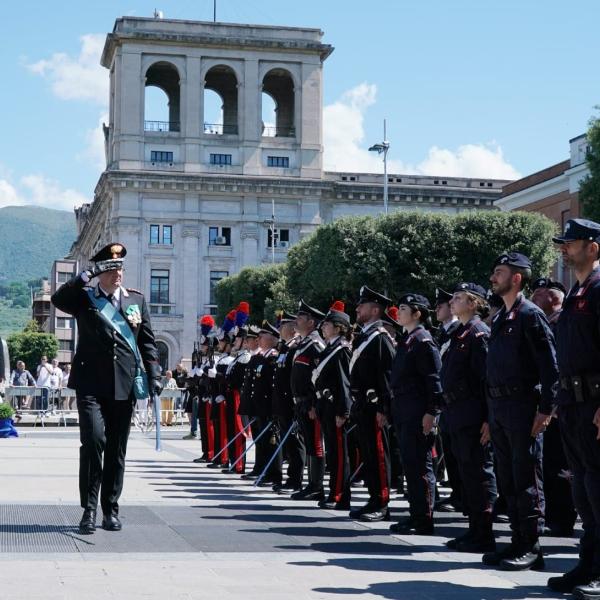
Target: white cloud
{"x": 94, "y": 153}
{"x": 38, "y": 190}
{"x": 345, "y": 148}
{"x": 77, "y": 78}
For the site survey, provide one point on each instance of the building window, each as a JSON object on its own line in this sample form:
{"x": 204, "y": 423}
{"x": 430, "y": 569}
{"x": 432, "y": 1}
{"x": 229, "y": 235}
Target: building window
{"x": 159, "y": 286}
{"x": 67, "y": 345}
{"x": 220, "y": 159}
{"x": 278, "y": 161}
{"x": 215, "y": 277}
{"x": 219, "y": 236}
{"x": 64, "y": 323}
{"x": 282, "y": 238}
{"x": 63, "y": 276}
{"x": 161, "y": 234}
{"x": 160, "y": 156}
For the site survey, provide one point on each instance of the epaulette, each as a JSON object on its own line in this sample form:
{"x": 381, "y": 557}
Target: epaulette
{"x": 134, "y": 291}
{"x": 244, "y": 358}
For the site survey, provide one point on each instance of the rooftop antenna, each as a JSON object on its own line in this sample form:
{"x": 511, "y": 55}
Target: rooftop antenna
{"x": 158, "y": 14}
{"x": 215, "y": 11}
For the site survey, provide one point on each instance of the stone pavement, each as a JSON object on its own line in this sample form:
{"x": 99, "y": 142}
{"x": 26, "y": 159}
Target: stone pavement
{"x": 190, "y": 533}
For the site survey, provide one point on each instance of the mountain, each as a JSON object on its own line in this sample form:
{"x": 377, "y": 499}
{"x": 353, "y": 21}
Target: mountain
{"x": 31, "y": 238}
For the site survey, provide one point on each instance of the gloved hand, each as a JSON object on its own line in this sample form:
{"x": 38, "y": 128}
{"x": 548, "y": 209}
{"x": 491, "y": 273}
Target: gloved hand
{"x": 156, "y": 387}
{"x": 101, "y": 267}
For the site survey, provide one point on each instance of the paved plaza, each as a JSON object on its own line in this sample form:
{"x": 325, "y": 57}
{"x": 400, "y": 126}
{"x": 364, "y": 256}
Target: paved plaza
{"x": 190, "y": 532}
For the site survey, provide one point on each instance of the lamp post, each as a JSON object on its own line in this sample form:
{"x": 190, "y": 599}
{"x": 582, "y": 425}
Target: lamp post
{"x": 383, "y": 148}
{"x": 270, "y": 223}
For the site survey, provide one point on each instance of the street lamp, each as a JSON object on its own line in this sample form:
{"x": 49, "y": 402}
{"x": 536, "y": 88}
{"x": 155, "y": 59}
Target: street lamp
{"x": 383, "y": 149}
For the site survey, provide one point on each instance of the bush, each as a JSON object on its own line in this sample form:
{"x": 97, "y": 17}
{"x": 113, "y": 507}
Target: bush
{"x": 30, "y": 346}
{"x": 6, "y": 411}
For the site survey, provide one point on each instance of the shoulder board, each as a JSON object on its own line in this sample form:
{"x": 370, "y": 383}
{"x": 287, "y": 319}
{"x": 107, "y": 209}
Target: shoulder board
{"x": 134, "y": 291}
{"x": 244, "y": 358}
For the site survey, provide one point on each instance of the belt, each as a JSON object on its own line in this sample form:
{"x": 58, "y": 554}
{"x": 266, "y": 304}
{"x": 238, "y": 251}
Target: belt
{"x": 583, "y": 386}
{"x": 502, "y": 391}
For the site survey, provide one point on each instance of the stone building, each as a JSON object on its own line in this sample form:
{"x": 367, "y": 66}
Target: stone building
{"x": 193, "y": 196}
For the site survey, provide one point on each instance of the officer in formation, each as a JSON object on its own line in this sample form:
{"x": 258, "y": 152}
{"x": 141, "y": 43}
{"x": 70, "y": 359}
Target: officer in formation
{"x": 505, "y": 372}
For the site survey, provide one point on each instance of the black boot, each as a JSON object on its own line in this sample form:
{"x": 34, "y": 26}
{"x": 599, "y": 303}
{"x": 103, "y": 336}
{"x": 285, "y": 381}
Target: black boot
{"x": 470, "y": 533}
{"x": 87, "y": 525}
{"x": 588, "y": 591}
{"x": 528, "y": 557}
{"x": 483, "y": 538}
{"x": 564, "y": 584}
{"x": 413, "y": 526}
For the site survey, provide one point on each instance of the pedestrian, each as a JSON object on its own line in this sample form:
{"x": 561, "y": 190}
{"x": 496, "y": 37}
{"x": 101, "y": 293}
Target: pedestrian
{"x": 305, "y": 360}
{"x": 332, "y": 383}
{"x": 116, "y": 345}
{"x": 167, "y": 404}
{"x": 578, "y": 347}
{"x": 465, "y": 409}
{"x": 415, "y": 409}
{"x": 43, "y": 375}
{"x": 21, "y": 377}
{"x": 521, "y": 385}
{"x": 370, "y": 365}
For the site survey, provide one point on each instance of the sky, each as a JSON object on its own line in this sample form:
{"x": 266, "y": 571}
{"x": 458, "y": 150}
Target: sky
{"x": 479, "y": 88}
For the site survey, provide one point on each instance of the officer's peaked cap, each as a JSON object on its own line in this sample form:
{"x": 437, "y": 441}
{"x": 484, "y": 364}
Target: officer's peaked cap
{"x": 268, "y": 328}
{"x": 314, "y": 313}
{"x": 369, "y": 295}
{"x": 112, "y": 251}
{"x": 579, "y": 229}
{"x": 442, "y": 296}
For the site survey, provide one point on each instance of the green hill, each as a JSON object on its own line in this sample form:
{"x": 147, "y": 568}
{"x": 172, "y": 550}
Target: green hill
{"x": 31, "y": 238}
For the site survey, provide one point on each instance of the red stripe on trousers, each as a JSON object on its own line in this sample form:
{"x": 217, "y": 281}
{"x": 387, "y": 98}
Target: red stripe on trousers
{"x": 240, "y": 442}
{"x": 385, "y": 492}
{"x": 340, "y": 464}
{"x": 210, "y": 432}
{"x": 318, "y": 442}
{"x": 223, "y": 432}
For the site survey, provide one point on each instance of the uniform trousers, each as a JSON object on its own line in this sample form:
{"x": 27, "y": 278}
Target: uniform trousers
{"x": 219, "y": 420}
{"x": 416, "y": 452}
{"x": 265, "y": 446}
{"x": 336, "y": 446}
{"x": 519, "y": 463}
{"x": 375, "y": 452}
{"x": 583, "y": 455}
{"x": 476, "y": 468}
{"x": 449, "y": 459}
{"x": 312, "y": 433}
{"x": 103, "y": 430}
{"x": 234, "y": 427}
{"x": 293, "y": 450}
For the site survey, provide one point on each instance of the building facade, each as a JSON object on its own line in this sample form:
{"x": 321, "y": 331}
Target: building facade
{"x": 195, "y": 201}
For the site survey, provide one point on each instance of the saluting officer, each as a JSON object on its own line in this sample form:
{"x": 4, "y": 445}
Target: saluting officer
{"x": 372, "y": 355}
{"x": 305, "y": 398}
{"x": 417, "y": 397}
{"x": 332, "y": 382}
{"x": 578, "y": 347}
{"x": 115, "y": 340}
{"x": 465, "y": 409}
{"x": 521, "y": 384}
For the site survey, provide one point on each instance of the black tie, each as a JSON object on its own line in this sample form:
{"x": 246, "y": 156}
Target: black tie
{"x": 113, "y": 301}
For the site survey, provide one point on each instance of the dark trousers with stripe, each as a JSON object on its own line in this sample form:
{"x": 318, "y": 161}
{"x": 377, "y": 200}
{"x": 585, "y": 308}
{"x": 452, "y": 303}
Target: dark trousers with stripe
{"x": 234, "y": 426}
{"x": 294, "y": 450}
{"x": 313, "y": 440}
{"x": 416, "y": 451}
{"x": 219, "y": 419}
{"x": 336, "y": 446}
{"x": 375, "y": 452}
{"x": 519, "y": 464}
{"x": 207, "y": 432}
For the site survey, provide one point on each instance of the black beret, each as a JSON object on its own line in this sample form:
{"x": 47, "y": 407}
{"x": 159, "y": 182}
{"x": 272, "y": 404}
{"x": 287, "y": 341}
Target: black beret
{"x": 305, "y": 309}
{"x": 442, "y": 296}
{"x": 547, "y": 282}
{"x": 415, "y": 300}
{"x": 368, "y": 295}
{"x": 112, "y": 251}
{"x": 579, "y": 229}
{"x": 513, "y": 259}
{"x": 472, "y": 288}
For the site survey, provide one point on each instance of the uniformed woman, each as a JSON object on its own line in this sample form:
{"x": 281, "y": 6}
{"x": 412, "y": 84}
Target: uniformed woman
{"x": 465, "y": 409}
{"x": 415, "y": 382}
{"x": 332, "y": 383}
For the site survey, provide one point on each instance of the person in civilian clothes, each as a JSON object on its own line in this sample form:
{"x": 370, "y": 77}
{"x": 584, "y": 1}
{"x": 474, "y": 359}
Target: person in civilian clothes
{"x": 372, "y": 355}
{"x": 522, "y": 378}
{"x": 103, "y": 371}
{"x": 578, "y": 344}
{"x": 305, "y": 399}
{"x": 465, "y": 409}
{"x": 417, "y": 396}
{"x": 332, "y": 383}
{"x": 560, "y": 511}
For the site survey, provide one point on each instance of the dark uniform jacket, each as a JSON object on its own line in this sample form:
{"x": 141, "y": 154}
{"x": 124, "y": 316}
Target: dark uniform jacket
{"x": 415, "y": 377}
{"x": 521, "y": 356}
{"x": 283, "y": 402}
{"x": 463, "y": 375}
{"x": 104, "y": 365}
{"x": 304, "y": 361}
{"x": 370, "y": 370}
{"x": 578, "y": 342}
{"x": 262, "y": 383}
{"x": 442, "y": 334}
{"x": 332, "y": 380}
{"x": 246, "y": 401}
{"x": 236, "y": 370}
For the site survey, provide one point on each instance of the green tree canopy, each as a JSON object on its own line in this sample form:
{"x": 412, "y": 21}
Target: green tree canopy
{"x": 30, "y": 345}
{"x": 589, "y": 190}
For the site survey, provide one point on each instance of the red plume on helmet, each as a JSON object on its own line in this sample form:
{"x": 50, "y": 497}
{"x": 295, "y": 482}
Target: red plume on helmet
{"x": 338, "y": 305}
{"x": 206, "y": 324}
{"x": 392, "y": 312}
{"x": 242, "y": 314}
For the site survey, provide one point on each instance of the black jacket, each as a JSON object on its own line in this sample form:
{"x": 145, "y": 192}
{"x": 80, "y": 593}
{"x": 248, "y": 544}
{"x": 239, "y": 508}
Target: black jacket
{"x": 262, "y": 383}
{"x": 283, "y": 402}
{"x": 104, "y": 365}
{"x": 305, "y": 360}
{"x": 332, "y": 380}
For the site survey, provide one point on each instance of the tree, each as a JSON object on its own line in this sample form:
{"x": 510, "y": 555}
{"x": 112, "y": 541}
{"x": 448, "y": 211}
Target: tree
{"x": 30, "y": 345}
{"x": 589, "y": 188}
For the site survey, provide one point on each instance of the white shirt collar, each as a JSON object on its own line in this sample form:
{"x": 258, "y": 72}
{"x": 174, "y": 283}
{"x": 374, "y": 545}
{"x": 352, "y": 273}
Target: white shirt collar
{"x": 116, "y": 294}
{"x": 333, "y": 340}
{"x": 449, "y": 323}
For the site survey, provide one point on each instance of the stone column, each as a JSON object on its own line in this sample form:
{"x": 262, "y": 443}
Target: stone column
{"x": 189, "y": 267}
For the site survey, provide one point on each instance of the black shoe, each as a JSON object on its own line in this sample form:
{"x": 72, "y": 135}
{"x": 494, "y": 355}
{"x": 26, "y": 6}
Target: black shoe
{"x": 500, "y": 518}
{"x": 267, "y": 483}
{"x": 250, "y": 476}
{"x": 344, "y": 505}
{"x": 378, "y": 514}
{"x": 111, "y": 523}
{"x": 308, "y": 494}
{"x": 588, "y": 591}
{"x": 213, "y": 465}
{"x": 477, "y": 544}
{"x": 412, "y": 526}
{"x": 356, "y": 513}
{"x": 327, "y": 503}
{"x": 287, "y": 488}
{"x": 453, "y": 543}
{"x": 564, "y": 584}
{"x": 201, "y": 459}
{"x": 357, "y": 483}
{"x": 527, "y": 558}
{"x": 558, "y": 530}
{"x": 87, "y": 525}
{"x": 493, "y": 559}
{"x": 228, "y": 472}
{"x": 448, "y": 504}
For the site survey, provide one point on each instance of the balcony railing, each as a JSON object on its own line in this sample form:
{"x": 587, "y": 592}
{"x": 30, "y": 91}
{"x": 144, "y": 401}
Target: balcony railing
{"x": 220, "y": 129}
{"x": 279, "y": 132}
{"x": 162, "y": 126}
